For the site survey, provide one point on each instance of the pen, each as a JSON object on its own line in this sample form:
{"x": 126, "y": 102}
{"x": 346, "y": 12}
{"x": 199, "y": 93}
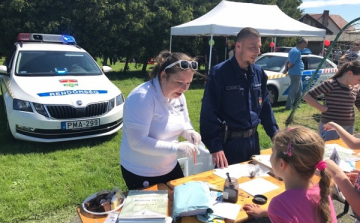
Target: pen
{"x": 350, "y": 163}
{"x": 246, "y": 196}
{"x": 323, "y": 134}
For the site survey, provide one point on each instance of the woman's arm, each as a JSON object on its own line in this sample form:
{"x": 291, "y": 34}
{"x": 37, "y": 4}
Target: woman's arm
{"x": 350, "y": 140}
{"x": 351, "y": 194}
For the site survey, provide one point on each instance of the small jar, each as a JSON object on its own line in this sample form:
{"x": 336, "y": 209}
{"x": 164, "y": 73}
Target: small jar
{"x": 231, "y": 190}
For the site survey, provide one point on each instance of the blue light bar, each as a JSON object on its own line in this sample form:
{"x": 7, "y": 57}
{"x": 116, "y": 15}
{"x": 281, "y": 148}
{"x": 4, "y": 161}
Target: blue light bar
{"x": 68, "y": 39}
{"x": 39, "y": 37}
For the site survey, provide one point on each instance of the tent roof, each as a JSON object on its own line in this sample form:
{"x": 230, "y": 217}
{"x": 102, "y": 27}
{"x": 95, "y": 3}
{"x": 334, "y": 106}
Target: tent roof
{"x": 228, "y": 18}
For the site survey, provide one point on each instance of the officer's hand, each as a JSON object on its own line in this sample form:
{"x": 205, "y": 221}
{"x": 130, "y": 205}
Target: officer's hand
{"x": 219, "y": 159}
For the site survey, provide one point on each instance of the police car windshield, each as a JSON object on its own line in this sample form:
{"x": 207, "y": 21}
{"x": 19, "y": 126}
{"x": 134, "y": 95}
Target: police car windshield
{"x": 55, "y": 63}
{"x": 271, "y": 63}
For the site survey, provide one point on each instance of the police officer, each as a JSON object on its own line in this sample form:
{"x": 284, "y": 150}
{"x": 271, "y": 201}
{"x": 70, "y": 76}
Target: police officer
{"x": 235, "y": 101}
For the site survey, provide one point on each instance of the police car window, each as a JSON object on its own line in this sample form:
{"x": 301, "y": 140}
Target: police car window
{"x": 306, "y": 63}
{"x": 54, "y": 63}
{"x": 315, "y": 61}
{"x": 271, "y": 63}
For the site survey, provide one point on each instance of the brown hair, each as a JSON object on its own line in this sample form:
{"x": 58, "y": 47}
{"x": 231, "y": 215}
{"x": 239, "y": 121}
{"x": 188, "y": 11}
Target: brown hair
{"x": 307, "y": 149}
{"x": 164, "y": 59}
{"x": 353, "y": 66}
{"x": 247, "y": 32}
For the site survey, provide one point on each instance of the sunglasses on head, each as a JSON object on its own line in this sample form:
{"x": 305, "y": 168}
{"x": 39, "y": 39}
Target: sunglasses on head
{"x": 184, "y": 65}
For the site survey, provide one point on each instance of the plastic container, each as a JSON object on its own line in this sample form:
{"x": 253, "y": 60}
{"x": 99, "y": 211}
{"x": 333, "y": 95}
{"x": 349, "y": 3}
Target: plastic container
{"x": 203, "y": 162}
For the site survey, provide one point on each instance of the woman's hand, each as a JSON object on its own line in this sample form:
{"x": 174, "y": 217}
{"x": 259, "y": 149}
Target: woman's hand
{"x": 192, "y": 136}
{"x": 188, "y": 149}
{"x": 255, "y": 210}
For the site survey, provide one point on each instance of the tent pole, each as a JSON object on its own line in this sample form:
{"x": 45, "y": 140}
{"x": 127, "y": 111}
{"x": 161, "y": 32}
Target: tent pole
{"x": 225, "y": 47}
{"x": 170, "y": 42}
{"x": 275, "y": 44}
{"x": 210, "y": 54}
{"x": 322, "y": 51}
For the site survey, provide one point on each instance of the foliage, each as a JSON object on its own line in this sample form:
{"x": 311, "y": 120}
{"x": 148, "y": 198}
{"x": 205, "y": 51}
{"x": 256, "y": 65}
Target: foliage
{"x": 117, "y": 28}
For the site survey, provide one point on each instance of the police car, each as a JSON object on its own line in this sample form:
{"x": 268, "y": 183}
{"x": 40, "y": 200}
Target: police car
{"x": 278, "y": 83}
{"x": 53, "y": 90}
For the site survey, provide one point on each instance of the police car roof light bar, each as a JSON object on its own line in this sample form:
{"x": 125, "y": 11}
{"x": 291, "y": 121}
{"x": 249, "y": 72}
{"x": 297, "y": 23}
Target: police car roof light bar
{"x": 39, "y": 37}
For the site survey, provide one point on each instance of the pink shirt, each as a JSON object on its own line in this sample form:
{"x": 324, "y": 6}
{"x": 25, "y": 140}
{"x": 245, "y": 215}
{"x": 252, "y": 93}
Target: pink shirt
{"x": 297, "y": 206}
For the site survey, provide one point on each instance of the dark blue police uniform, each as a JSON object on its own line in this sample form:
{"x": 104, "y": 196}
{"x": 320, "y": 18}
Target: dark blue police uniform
{"x": 240, "y": 98}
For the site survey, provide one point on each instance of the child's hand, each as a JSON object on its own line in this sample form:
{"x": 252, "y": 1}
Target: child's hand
{"x": 353, "y": 175}
{"x": 255, "y": 210}
{"x": 329, "y": 126}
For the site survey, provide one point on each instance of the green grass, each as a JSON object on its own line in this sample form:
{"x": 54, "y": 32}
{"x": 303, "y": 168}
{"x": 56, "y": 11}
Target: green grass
{"x": 46, "y": 182}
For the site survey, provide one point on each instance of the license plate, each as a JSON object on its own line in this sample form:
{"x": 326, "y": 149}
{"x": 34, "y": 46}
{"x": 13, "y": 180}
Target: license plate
{"x": 80, "y": 124}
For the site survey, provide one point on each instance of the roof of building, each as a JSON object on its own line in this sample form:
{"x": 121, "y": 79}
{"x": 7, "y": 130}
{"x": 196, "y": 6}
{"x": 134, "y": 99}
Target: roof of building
{"x": 337, "y": 19}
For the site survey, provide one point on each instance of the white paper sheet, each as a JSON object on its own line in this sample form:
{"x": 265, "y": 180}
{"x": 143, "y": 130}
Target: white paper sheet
{"x": 240, "y": 170}
{"x": 345, "y": 154}
{"x": 226, "y": 210}
{"x": 257, "y": 186}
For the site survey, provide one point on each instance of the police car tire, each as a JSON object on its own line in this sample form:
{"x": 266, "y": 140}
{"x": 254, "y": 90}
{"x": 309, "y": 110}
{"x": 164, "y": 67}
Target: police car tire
{"x": 273, "y": 94}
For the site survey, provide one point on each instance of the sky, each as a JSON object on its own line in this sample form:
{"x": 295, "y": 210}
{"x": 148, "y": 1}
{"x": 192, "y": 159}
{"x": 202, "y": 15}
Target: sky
{"x": 348, "y": 9}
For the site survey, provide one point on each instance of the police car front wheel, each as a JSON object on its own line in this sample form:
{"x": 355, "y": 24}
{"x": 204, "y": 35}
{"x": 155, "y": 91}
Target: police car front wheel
{"x": 273, "y": 94}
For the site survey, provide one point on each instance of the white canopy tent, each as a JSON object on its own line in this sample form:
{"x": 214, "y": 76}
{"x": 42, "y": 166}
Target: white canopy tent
{"x": 228, "y": 18}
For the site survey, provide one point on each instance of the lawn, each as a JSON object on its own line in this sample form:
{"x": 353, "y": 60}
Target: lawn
{"x": 46, "y": 182}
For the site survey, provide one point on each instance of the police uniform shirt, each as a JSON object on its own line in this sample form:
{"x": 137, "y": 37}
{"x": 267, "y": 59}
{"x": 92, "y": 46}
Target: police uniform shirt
{"x": 241, "y": 99}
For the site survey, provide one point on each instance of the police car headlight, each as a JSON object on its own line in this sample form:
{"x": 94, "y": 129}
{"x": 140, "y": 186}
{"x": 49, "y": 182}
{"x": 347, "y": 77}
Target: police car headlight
{"x": 41, "y": 109}
{"x": 21, "y": 105}
{"x": 111, "y": 104}
{"x": 120, "y": 99}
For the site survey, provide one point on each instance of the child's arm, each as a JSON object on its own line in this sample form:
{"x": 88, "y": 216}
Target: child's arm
{"x": 350, "y": 140}
{"x": 255, "y": 210}
{"x": 351, "y": 194}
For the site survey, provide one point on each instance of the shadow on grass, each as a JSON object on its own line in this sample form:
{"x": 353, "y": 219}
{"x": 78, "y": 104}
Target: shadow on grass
{"x": 13, "y": 146}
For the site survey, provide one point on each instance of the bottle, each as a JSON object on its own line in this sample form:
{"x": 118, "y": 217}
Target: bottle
{"x": 231, "y": 189}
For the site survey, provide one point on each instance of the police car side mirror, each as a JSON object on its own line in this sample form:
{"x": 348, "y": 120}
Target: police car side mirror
{"x": 3, "y": 69}
{"x": 106, "y": 69}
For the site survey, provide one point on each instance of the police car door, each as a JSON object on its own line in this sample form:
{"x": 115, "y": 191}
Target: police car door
{"x": 306, "y": 75}
{"x": 326, "y": 70}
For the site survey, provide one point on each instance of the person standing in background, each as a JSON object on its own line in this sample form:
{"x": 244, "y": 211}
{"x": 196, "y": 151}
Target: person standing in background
{"x": 235, "y": 102}
{"x": 155, "y": 115}
{"x": 294, "y": 68}
{"x": 341, "y": 93}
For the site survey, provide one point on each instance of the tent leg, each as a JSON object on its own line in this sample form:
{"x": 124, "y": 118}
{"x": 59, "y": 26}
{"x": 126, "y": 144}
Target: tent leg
{"x": 210, "y": 54}
{"x": 275, "y": 44}
{"x": 170, "y": 42}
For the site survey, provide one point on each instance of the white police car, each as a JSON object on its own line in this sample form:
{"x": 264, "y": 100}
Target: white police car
{"x": 278, "y": 83}
{"x": 53, "y": 90}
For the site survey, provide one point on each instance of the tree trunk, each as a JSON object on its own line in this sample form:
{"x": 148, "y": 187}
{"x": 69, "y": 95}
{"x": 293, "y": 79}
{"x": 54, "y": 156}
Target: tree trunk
{"x": 145, "y": 63}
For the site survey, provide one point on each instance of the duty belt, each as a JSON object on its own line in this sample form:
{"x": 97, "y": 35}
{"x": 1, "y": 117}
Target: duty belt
{"x": 242, "y": 134}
